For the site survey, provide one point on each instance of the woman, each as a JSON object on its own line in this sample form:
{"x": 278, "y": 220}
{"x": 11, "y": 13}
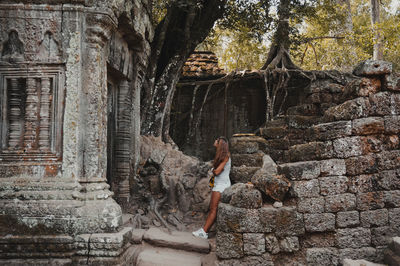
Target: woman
{"x": 221, "y": 169}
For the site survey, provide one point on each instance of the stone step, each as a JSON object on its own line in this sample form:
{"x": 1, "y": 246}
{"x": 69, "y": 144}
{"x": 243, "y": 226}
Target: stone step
{"x": 159, "y": 256}
{"x": 349, "y": 262}
{"x": 176, "y": 240}
{"x": 395, "y": 245}
{"x": 390, "y": 258}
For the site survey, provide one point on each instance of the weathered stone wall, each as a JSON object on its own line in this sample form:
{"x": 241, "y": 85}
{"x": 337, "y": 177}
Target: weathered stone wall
{"x": 343, "y": 170}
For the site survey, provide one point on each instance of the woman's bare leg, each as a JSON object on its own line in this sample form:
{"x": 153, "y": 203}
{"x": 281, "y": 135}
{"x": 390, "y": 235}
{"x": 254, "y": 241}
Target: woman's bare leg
{"x": 215, "y": 197}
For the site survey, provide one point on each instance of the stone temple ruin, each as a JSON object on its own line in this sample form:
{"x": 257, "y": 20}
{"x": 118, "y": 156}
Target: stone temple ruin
{"x": 315, "y": 186}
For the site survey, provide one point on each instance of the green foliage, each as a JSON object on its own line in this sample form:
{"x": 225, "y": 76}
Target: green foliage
{"x": 236, "y": 50}
{"x": 352, "y": 43}
{"x": 240, "y": 39}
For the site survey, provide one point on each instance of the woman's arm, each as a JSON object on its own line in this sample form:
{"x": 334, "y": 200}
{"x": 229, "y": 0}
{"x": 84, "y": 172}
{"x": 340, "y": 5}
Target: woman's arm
{"x": 220, "y": 167}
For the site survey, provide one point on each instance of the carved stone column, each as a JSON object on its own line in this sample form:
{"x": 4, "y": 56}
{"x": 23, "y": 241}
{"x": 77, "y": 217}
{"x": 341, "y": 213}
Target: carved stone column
{"x": 31, "y": 114}
{"x": 100, "y": 212}
{"x": 94, "y": 98}
{"x": 122, "y": 153}
{"x": 44, "y": 133}
{"x": 16, "y": 127}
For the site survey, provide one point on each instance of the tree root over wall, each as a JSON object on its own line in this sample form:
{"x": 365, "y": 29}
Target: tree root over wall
{"x": 170, "y": 188}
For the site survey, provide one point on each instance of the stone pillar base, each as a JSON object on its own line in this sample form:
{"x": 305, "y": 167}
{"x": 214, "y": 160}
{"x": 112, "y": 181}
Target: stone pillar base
{"x": 93, "y": 249}
{"x": 44, "y": 208}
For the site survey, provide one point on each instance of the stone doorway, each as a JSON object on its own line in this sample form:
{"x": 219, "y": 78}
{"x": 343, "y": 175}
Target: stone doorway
{"x": 111, "y": 128}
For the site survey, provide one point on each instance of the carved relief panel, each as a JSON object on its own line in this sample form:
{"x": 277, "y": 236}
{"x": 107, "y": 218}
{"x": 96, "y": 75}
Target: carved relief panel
{"x": 31, "y": 111}
{"x": 31, "y": 84}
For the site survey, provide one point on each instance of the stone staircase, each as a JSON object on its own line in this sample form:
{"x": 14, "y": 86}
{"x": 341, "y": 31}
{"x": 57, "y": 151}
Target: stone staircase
{"x": 392, "y": 254}
{"x": 158, "y": 246}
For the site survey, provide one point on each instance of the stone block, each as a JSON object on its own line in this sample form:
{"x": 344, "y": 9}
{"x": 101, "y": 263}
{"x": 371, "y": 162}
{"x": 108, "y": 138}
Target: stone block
{"x": 269, "y": 165}
{"x": 362, "y": 183}
{"x": 311, "y": 151}
{"x": 297, "y": 136}
{"x": 242, "y": 174}
{"x": 247, "y": 144}
{"x": 272, "y": 244}
{"x": 319, "y": 222}
{"x": 322, "y": 256}
{"x": 231, "y": 219}
{"x": 272, "y": 185}
{"x": 353, "y": 237}
{"x": 392, "y": 124}
{"x": 229, "y": 245}
{"x": 371, "y": 67}
{"x": 388, "y": 160}
{"x": 381, "y": 104}
{"x": 394, "y": 220}
{"x": 395, "y": 104}
{"x": 252, "y": 160}
{"x": 395, "y": 244}
{"x": 390, "y": 142}
{"x": 368, "y": 126}
{"x": 303, "y": 152}
{"x": 349, "y": 110}
{"x": 371, "y": 144}
{"x": 368, "y": 253}
{"x": 333, "y": 167}
{"x": 359, "y": 165}
{"x": 332, "y": 185}
{"x": 347, "y": 147}
{"x": 300, "y": 170}
{"x": 311, "y": 205}
{"x": 392, "y": 198}
{"x": 267, "y": 217}
{"x": 246, "y": 197}
{"x": 306, "y": 188}
{"x": 253, "y": 244}
{"x": 301, "y": 121}
{"x": 369, "y": 86}
{"x": 288, "y": 222}
{"x": 370, "y": 201}
{"x": 381, "y": 236}
{"x": 274, "y": 132}
{"x": 289, "y": 244}
{"x": 347, "y": 219}
{"x": 278, "y": 144}
{"x": 281, "y": 156}
{"x": 244, "y": 147}
{"x": 226, "y": 196}
{"x": 319, "y": 240}
{"x": 374, "y": 218}
{"x": 264, "y": 260}
{"x": 341, "y": 202}
{"x": 389, "y": 180}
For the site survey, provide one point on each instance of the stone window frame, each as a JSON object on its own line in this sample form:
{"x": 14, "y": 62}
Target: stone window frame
{"x": 56, "y": 74}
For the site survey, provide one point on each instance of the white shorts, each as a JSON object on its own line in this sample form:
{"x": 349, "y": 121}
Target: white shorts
{"x": 221, "y": 186}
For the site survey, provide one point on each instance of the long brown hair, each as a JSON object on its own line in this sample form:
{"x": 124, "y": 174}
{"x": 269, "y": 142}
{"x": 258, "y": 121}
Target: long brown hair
{"x": 222, "y": 151}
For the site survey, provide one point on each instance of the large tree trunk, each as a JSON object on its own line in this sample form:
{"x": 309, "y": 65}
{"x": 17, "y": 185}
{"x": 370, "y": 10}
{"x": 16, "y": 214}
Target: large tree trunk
{"x": 278, "y": 55}
{"x": 375, "y": 19}
{"x": 185, "y": 25}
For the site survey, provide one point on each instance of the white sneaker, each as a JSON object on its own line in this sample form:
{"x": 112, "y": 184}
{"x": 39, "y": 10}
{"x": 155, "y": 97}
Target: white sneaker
{"x": 200, "y": 233}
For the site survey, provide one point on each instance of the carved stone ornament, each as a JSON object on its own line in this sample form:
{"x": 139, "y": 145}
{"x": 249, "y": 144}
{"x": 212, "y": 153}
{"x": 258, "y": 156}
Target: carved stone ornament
{"x": 49, "y": 49}
{"x": 13, "y": 48}
{"x": 99, "y": 27}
